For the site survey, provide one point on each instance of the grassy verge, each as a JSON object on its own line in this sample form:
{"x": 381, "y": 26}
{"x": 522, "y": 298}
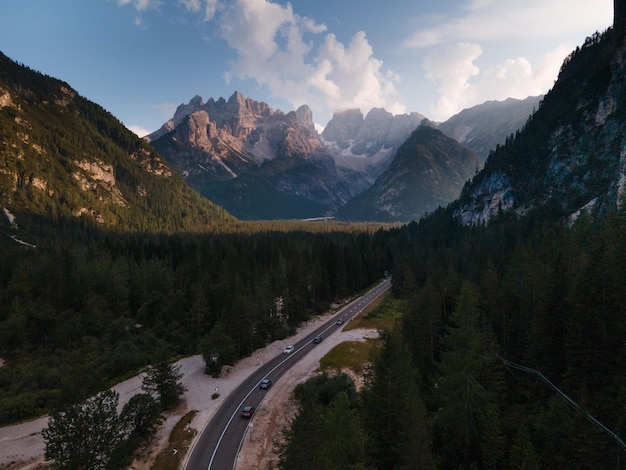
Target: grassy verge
{"x": 349, "y": 354}
{"x": 381, "y": 315}
{"x": 180, "y": 439}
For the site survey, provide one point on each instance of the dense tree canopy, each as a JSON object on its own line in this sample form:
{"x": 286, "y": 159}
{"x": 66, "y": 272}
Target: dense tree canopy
{"x": 548, "y": 297}
{"x": 86, "y": 435}
{"x": 86, "y": 308}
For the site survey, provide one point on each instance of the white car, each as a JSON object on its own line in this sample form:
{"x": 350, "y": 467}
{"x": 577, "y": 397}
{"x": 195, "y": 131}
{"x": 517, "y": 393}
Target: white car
{"x": 288, "y": 349}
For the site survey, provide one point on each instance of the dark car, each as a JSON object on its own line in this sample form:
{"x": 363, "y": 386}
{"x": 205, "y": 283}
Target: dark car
{"x": 247, "y": 412}
{"x": 318, "y": 339}
{"x": 265, "y": 384}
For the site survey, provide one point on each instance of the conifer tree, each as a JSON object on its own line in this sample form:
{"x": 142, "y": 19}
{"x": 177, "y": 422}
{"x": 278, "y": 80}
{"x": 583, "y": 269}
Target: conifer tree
{"x": 342, "y": 437}
{"x": 468, "y": 430}
{"x": 162, "y": 382}
{"x": 398, "y": 431}
{"x": 218, "y": 349}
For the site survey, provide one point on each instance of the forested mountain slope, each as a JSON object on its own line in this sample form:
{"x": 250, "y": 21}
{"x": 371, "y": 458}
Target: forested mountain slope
{"x": 428, "y": 171}
{"x": 571, "y": 151}
{"x": 511, "y": 349}
{"x": 64, "y": 158}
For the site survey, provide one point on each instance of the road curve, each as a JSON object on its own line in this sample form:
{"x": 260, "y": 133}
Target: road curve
{"x": 218, "y": 444}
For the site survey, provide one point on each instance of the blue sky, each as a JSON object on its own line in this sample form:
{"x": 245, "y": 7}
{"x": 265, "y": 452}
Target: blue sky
{"x": 140, "y": 59}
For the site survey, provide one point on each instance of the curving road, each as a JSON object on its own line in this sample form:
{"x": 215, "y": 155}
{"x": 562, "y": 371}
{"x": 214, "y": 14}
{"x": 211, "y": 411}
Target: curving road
{"x": 219, "y": 443}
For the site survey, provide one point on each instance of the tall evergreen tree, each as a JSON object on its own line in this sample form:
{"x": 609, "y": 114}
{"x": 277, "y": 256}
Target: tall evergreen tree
{"x": 218, "y": 349}
{"x": 398, "y": 433}
{"x": 163, "y": 383}
{"x": 342, "y": 445}
{"x": 468, "y": 429}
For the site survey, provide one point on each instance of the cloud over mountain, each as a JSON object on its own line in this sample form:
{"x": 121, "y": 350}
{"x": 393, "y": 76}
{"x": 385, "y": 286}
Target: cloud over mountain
{"x": 277, "y": 48}
{"x": 456, "y": 46}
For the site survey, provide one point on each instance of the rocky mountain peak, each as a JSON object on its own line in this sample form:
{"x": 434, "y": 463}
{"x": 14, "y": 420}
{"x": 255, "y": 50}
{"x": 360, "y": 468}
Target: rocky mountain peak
{"x": 237, "y": 99}
{"x": 342, "y": 128}
{"x": 428, "y": 170}
{"x": 184, "y": 110}
{"x": 305, "y": 117}
{"x": 482, "y": 127}
{"x": 238, "y": 112}
{"x": 366, "y": 137}
{"x": 243, "y": 154}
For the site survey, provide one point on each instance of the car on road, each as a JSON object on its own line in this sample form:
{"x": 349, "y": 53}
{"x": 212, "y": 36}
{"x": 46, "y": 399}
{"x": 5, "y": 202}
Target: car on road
{"x": 247, "y": 412}
{"x": 318, "y": 339}
{"x": 339, "y": 322}
{"x": 265, "y": 384}
{"x": 288, "y": 350}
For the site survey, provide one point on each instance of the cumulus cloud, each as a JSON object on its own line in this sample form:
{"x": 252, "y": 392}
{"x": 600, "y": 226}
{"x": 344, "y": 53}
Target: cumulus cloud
{"x": 454, "y": 45}
{"x": 451, "y": 68}
{"x": 277, "y": 48}
{"x": 461, "y": 84}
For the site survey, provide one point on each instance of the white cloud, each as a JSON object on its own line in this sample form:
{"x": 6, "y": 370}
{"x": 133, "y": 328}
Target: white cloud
{"x": 141, "y": 5}
{"x": 488, "y": 20}
{"x": 482, "y": 27}
{"x": 207, "y": 7}
{"x": 461, "y": 84}
{"x": 139, "y": 131}
{"x": 451, "y": 69}
{"x": 277, "y": 48}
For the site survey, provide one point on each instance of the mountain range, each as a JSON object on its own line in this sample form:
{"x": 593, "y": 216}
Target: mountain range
{"x": 426, "y": 172}
{"x": 520, "y": 277}
{"x": 482, "y": 127}
{"x": 67, "y": 157}
{"x": 261, "y": 163}
{"x": 254, "y": 161}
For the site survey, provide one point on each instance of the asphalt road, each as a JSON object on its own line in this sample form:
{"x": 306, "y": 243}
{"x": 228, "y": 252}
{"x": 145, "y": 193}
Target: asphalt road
{"x": 219, "y": 443}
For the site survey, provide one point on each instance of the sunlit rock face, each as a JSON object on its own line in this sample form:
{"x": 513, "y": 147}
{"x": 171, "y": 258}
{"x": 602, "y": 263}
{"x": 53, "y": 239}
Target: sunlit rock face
{"x": 255, "y": 161}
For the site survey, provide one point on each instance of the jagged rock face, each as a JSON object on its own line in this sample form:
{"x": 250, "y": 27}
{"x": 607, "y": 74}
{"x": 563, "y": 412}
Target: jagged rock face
{"x": 241, "y": 145}
{"x": 238, "y": 114}
{"x": 487, "y": 199}
{"x": 428, "y": 171}
{"x": 364, "y": 147}
{"x": 216, "y": 140}
{"x": 485, "y": 126}
{"x": 305, "y": 117}
{"x": 366, "y": 137}
{"x": 572, "y": 152}
{"x": 343, "y": 127}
